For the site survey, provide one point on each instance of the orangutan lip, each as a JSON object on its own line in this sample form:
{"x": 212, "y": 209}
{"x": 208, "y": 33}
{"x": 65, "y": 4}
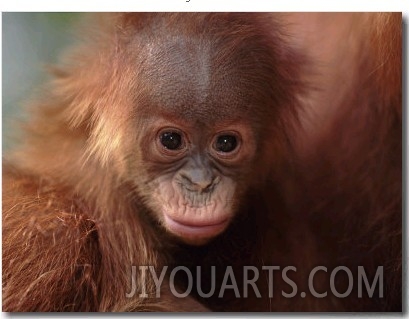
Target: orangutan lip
{"x": 197, "y": 228}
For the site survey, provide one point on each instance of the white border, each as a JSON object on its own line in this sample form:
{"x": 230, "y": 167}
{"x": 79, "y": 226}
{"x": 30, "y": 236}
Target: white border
{"x": 204, "y": 5}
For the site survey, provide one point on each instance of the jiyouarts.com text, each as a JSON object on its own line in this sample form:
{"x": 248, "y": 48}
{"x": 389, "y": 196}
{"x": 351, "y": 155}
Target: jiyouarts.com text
{"x": 246, "y": 282}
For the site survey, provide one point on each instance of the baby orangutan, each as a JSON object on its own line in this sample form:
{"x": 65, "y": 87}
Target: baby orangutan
{"x": 170, "y": 140}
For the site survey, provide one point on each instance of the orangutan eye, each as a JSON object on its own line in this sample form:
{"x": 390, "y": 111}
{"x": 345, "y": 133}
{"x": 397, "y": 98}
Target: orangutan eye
{"x": 225, "y": 143}
{"x": 171, "y": 140}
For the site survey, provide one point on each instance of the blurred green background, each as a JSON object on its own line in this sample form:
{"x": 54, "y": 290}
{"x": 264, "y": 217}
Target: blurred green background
{"x": 30, "y": 42}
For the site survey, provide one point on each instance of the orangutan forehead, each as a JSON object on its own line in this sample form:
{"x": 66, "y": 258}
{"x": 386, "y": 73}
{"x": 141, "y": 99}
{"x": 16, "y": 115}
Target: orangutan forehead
{"x": 185, "y": 80}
